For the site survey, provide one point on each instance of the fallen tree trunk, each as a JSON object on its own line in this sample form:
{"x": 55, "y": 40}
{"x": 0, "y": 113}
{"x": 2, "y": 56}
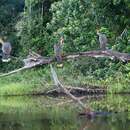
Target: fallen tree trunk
{"x": 37, "y": 60}
{"x": 31, "y": 62}
{"x": 124, "y": 57}
{"x": 31, "y": 65}
{"x": 62, "y": 88}
{"x": 79, "y": 91}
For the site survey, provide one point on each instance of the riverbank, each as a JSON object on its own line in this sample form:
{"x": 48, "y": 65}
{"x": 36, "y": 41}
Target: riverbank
{"x": 29, "y": 112}
{"x": 38, "y": 80}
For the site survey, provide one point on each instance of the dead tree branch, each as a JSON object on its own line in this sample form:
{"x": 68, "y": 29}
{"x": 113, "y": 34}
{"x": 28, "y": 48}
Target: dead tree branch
{"x": 59, "y": 85}
{"x": 124, "y": 57}
{"x": 30, "y": 62}
{"x": 34, "y": 59}
{"x": 78, "y": 91}
{"x": 12, "y": 72}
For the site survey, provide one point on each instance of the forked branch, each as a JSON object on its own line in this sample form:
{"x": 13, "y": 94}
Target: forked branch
{"x": 35, "y": 59}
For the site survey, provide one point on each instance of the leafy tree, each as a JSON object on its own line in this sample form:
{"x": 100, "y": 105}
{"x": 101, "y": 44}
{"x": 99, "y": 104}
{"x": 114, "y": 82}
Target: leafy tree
{"x": 42, "y": 22}
{"x": 32, "y": 27}
{"x": 8, "y": 15}
{"x": 75, "y": 21}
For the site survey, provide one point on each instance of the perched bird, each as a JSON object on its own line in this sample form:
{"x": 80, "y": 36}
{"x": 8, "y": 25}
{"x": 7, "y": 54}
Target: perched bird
{"x": 103, "y": 41}
{"x": 6, "y": 51}
{"x": 58, "y": 51}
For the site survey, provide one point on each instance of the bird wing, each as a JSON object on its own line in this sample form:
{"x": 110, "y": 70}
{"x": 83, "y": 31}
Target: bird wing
{"x": 6, "y": 48}
{"x": 103, "y": 39}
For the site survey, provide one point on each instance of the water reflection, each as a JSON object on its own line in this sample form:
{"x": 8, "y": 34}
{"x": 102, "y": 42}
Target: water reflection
{"x": 43, "y": 113}
{"x": 113, "y": 122}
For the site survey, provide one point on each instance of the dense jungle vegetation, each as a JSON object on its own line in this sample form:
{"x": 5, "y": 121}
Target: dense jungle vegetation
{"x": 38, "y": 25}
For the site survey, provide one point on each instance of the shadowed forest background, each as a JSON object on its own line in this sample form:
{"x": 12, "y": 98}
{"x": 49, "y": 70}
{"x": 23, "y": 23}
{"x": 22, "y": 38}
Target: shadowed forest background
{"x": 38, "y": 24}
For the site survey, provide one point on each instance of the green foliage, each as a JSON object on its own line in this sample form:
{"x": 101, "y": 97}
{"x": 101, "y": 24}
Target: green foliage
{"x": 41, "y": 27}
{"x": 71, "y": 18}
{"x": 42, "y": 22}
{"x": 123, "y": 41}
{"x": 32, "y": 27}
{"x": 8, "y": 15}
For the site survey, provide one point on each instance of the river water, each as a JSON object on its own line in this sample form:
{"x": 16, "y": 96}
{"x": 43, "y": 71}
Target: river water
{"x": 47, "y": 113}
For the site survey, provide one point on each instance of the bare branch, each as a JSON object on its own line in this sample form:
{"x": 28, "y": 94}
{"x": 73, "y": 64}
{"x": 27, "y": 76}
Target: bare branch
{"x": 59, "y": 85}
{"x": 37, "y": 60}
{"x": 12, "y": 72}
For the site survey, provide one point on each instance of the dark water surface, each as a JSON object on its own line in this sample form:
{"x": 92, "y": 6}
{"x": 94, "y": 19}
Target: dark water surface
{"x": 45, "y": 113}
